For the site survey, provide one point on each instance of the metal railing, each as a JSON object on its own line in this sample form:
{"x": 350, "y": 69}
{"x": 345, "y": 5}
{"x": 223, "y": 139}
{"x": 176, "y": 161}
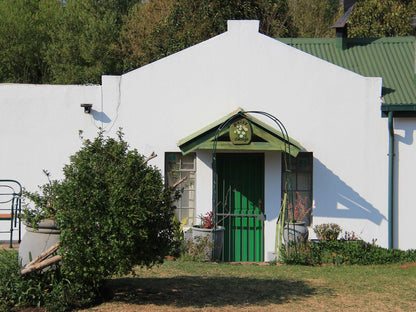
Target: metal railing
{"x": 11, "y": 207}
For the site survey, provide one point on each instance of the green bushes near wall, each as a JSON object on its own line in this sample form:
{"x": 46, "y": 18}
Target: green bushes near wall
{"x": 340, "y": 252}
{"x": 114, "y": 213}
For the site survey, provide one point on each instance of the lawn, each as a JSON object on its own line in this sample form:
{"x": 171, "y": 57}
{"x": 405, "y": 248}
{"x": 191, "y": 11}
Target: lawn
{"x": 193, "y": 286}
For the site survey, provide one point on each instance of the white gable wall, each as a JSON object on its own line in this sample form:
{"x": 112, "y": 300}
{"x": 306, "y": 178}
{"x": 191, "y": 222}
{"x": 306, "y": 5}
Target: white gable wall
{"x": 242, "y": 68}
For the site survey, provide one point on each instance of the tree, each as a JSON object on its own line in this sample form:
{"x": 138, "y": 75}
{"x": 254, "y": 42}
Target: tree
{"x": 22, "y": 42}
{"x": 85, "y": 43}
{"x": 172, "y": 25}
{"x": 138, "y": 28}
{"x": 313, "y": 18}
{"x": 382, "y": 18}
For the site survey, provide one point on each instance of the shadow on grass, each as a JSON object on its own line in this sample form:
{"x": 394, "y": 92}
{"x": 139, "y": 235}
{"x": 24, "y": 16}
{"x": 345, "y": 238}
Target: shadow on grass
{"x": 185, "y": 291}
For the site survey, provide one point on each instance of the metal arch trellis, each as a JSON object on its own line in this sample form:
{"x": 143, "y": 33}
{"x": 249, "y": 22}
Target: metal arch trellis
{"x": 286, "y": 158}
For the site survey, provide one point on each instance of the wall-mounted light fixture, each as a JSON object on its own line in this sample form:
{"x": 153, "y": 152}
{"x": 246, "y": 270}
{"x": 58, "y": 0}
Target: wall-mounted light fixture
{"x": 87, "y": 107}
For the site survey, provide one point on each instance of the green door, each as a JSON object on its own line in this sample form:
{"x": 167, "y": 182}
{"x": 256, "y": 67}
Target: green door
{"x": 240, "y": 205}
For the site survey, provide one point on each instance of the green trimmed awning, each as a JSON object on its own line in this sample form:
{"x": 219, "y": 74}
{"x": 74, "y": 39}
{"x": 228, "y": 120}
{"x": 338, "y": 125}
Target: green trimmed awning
{"x": 262, "y": 136}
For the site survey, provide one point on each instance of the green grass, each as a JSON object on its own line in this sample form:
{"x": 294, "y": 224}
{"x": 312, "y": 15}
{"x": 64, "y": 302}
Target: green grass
{"x": 181, "y": 285}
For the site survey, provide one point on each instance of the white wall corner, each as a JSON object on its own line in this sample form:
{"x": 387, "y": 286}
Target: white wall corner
{"x": 247, "y": 26}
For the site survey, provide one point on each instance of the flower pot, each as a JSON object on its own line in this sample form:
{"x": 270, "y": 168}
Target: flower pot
{"x": 34, "y": 242}
{"x": 214, "y": 236}
{"x": 295, "y": 232}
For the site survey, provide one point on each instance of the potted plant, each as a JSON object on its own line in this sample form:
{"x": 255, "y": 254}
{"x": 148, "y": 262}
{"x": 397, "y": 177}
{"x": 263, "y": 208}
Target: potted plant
{"x": 295, "y": 229}
{"x": 41, "y": 229}
{"x": 211, "y": 232}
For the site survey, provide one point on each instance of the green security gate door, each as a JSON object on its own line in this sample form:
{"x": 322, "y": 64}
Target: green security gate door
{"x": 240, "y": 205}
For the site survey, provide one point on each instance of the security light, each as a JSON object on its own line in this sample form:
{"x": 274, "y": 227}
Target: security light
{"x": 87, "y": 107}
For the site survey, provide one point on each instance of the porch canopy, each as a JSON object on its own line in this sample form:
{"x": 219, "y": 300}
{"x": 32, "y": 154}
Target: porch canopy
{"x": 244, "y": 132}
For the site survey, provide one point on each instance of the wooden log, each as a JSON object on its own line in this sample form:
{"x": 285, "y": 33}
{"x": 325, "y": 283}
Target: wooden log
{"x": 41, "y": 265}
{"x": 44, "y": 254}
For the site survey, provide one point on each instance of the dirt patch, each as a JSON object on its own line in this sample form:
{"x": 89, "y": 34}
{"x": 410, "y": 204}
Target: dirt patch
{"x": 407, "y": 265}
{"x": 6, "y": 245}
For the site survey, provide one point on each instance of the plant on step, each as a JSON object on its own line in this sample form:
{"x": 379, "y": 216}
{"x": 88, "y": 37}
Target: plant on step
{"x": 207, "y": 220}
{"x": 327, "y": 231}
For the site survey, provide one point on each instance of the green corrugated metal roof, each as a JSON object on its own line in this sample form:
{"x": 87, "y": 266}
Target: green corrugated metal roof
{"x": 391, "y": 58}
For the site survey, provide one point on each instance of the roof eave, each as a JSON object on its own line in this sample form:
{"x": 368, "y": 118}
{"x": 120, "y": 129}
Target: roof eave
{"x": 399, "y": 110}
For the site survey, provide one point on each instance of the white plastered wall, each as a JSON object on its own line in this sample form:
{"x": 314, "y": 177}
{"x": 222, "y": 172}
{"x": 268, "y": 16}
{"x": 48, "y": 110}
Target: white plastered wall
{"x": 39, "y": 127}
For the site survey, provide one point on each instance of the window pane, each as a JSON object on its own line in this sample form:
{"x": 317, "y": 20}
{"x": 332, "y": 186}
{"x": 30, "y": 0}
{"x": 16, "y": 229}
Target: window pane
{"x": 304, "y": 181}
{"x": 177, "y": 167}
{"x": 302, "y": 184}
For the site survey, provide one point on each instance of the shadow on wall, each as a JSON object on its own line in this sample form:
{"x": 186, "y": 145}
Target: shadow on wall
{"x": 100, "y": 116}
{"x": 335, "y": 194}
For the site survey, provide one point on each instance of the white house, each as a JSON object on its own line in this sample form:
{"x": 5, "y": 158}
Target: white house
{"x": 174, "y": 106}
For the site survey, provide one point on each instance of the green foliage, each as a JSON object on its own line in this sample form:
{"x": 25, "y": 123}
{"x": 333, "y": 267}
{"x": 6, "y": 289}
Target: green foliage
{"x": 9, "y": 279}
{"x": 172, "y": 25}
{"x": 85, "y": 41}
{"x": 113, "y": 212}
{"x": 22, "y": 41}
{"x": 76, "y": 43}
{"x": 34, "y": 289}
{"x": 381, "y": 18}
{"x": 327, "y": 231}
{"x": 314, "y": 18}
{"x": 343, "y": 252}
{"x": 43, "y": 203}
{"x": 178, "y": 240}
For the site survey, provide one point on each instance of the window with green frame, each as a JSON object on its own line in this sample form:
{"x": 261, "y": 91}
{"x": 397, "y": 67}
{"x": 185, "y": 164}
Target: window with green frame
{"x": 299, "y": 173}
{"x": 178, "y": 166}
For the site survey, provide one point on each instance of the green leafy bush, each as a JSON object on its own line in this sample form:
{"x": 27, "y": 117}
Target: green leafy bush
{"x": 327, "y": 231}
{"x": 34, "y": 289}
{"x": 9, "y": 279}
{"x": 343, "y": 252}
{"x": 113, "y": 212}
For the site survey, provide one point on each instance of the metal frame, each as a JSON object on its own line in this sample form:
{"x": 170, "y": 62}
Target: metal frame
{"x": 11, "y": 192}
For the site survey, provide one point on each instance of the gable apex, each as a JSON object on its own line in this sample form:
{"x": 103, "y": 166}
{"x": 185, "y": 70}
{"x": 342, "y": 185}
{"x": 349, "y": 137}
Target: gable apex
{"x": 249, "y": 26}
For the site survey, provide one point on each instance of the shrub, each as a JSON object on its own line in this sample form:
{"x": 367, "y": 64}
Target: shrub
{"x": 343, "y": 252}
{"x": 113, "y": 212}
{"x": 327, "y": 231}
{"x": 9, "y": 279}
